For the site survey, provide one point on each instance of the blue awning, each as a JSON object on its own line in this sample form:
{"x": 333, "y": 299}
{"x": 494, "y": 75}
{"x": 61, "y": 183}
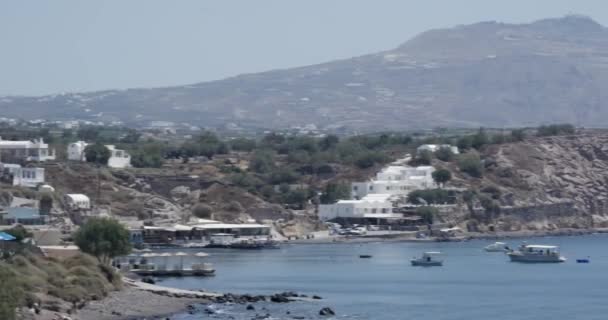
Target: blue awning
{"x": 6, "y": 237}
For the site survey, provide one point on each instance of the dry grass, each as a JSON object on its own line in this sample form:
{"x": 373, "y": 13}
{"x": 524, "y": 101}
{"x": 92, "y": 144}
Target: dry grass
{"x": 76, "y": 279}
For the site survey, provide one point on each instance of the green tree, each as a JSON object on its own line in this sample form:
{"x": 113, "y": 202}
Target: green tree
{"x": 480, "y": 139}
{"x": 262, "y": 161}
{"x": 444, "y": 154}
{"x": 97, "y": 153}
{"x": 296, "y": 197}
{"x": 427, "y": 214}
{"x": 243, "y": 144}
{"x": 471, "y": 164}
{"x": 429, "y": 196}
{"x": 46, "y": 204}
{"x": 334, "y": 192}
{"x": 103, "y": 238}
{"x": 465, "y": 143}
{"x": 202, "y": 211}
{"x": 19, "y": 232}
{"x": 424, "y": 157}
{"x": 441, "y": 176}
{"x": 329, "y": 142}
{"x": 10, "y": 293}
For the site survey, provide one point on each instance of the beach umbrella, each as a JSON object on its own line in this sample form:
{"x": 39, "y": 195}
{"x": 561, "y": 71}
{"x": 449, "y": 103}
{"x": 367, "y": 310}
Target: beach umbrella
{"x": 181, "y": 256}
{"x": 166, "y": 256}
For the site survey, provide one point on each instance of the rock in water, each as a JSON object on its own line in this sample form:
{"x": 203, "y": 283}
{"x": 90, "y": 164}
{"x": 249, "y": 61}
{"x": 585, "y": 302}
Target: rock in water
{"x": 250, "y": 307}
{"x": 327, "y": 312}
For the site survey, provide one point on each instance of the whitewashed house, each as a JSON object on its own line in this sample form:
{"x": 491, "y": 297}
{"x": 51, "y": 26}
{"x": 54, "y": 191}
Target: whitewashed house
{"x": 77, "y": 201}
{"x": 376, "y": 206}
{"x": 34, "y": 150}
{"x": 118, "y": 158}
{"x": 395, "y": 180}
{"x": 76, "y": 151}
{"x": 435, "y": 147}
{"x": 23, "y": 177}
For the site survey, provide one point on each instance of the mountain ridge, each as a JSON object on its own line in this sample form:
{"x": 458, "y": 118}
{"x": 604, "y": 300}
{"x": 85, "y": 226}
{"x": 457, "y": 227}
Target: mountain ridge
{"x": 483, "y": 74}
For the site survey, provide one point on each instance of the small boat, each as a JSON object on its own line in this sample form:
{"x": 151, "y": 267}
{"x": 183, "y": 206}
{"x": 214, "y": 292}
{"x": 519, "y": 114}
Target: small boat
{"x": 584, "y": 260}
{"x": 534, "y": 253}
{"x": 365, "y": 256}
{"x": 428, "y": 259}
{"x": 497, "y": 247}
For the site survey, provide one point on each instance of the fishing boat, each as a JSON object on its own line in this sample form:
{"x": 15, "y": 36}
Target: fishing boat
{"x": 534, "y": 253}
{"x": 428, "y": 259}
{"x": 497, "y": 247}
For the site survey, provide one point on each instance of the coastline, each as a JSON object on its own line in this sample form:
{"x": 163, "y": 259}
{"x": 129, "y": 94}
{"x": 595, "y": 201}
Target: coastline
{"x": 466, "y": 236}
{"x": 142, "y": 300}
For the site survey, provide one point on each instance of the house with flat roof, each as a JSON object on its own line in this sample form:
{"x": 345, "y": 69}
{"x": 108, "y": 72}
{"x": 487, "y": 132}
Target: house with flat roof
{"x": 26, "y": 150}
{"x": 23, "y": 215}
{"x": 20, "y": 176}
{"x": 119, "y": 159}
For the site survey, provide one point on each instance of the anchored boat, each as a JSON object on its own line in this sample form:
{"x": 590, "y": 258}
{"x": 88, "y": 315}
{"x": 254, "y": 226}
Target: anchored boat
{"x": 534, "y": 253}
{"x": 497, "y": 247}
{"x": 428, "y": 259}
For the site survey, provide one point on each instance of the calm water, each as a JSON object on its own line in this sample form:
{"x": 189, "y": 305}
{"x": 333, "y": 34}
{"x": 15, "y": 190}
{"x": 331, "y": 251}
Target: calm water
{"x": 472, "y": 284}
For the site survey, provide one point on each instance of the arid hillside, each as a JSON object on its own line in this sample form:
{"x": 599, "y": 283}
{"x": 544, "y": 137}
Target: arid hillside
{"x": 541, "y": 184}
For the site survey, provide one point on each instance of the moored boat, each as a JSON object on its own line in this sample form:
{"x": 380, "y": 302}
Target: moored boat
{"x": 533, "y": 253}
{"x": 428, "y": 259}
{"x": 497, "y": 247}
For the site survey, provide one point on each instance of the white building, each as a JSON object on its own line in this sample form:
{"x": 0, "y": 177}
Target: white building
{"x": 435, "y": 147}
{"x": 375, "y": 206}
{"x": 35, "y": 150}
{"x": 395, "y": 180}
{"x": 118, "y": 158}
{"x": 78, "y": 201}
{"x": 76, "y": 151}
{"x": 23, "y": 177}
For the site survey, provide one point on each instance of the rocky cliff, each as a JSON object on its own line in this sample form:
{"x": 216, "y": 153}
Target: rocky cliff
{"x": 543, "y": 183}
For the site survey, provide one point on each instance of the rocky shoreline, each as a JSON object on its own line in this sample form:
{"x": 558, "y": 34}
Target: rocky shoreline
{"x": 141, "y": 300}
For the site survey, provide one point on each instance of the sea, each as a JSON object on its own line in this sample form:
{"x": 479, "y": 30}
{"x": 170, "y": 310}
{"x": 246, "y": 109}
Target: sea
{"x": 472, "y": 284}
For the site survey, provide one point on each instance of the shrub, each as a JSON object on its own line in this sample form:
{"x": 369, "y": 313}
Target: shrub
{"x": 334, "y": 192}
{"x": 555, "y": 129}
{"x": 202, "y": 211}
{"x": 441, "y": 176}
{"x": 97, "y": 153}
{"x": 103, "y": 238}
{"x": 470, "y": 163}
{"x": 444, "y": 154}
{"x": 424, "y": 157}
{"x": 427, "y": 214}
{"x": 430, "y": 196}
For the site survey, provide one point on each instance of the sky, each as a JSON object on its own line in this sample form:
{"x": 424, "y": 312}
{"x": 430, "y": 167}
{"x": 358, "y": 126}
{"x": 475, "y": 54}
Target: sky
{"x": 53, "y": 46}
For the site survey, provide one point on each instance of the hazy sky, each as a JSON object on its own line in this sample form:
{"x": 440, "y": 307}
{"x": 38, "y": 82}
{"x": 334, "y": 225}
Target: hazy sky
{"x": 50, "y": 46}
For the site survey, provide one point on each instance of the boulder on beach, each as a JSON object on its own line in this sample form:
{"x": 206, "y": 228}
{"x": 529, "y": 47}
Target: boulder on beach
{"x": 327, "y": 311}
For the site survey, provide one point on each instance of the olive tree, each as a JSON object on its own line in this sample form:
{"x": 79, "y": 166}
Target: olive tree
{"x": 103, "y": 238}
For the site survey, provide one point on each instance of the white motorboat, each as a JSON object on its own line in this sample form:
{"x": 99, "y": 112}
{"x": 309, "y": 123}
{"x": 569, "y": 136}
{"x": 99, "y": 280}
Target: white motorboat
{"x": 428, "y": 259}
{"x": 534, "y": 253}
{"x": 497, "y": 247}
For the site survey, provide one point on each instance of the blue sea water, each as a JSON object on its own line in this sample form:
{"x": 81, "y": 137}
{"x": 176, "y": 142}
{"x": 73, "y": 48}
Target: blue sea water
{"x": 472, "y": 284}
